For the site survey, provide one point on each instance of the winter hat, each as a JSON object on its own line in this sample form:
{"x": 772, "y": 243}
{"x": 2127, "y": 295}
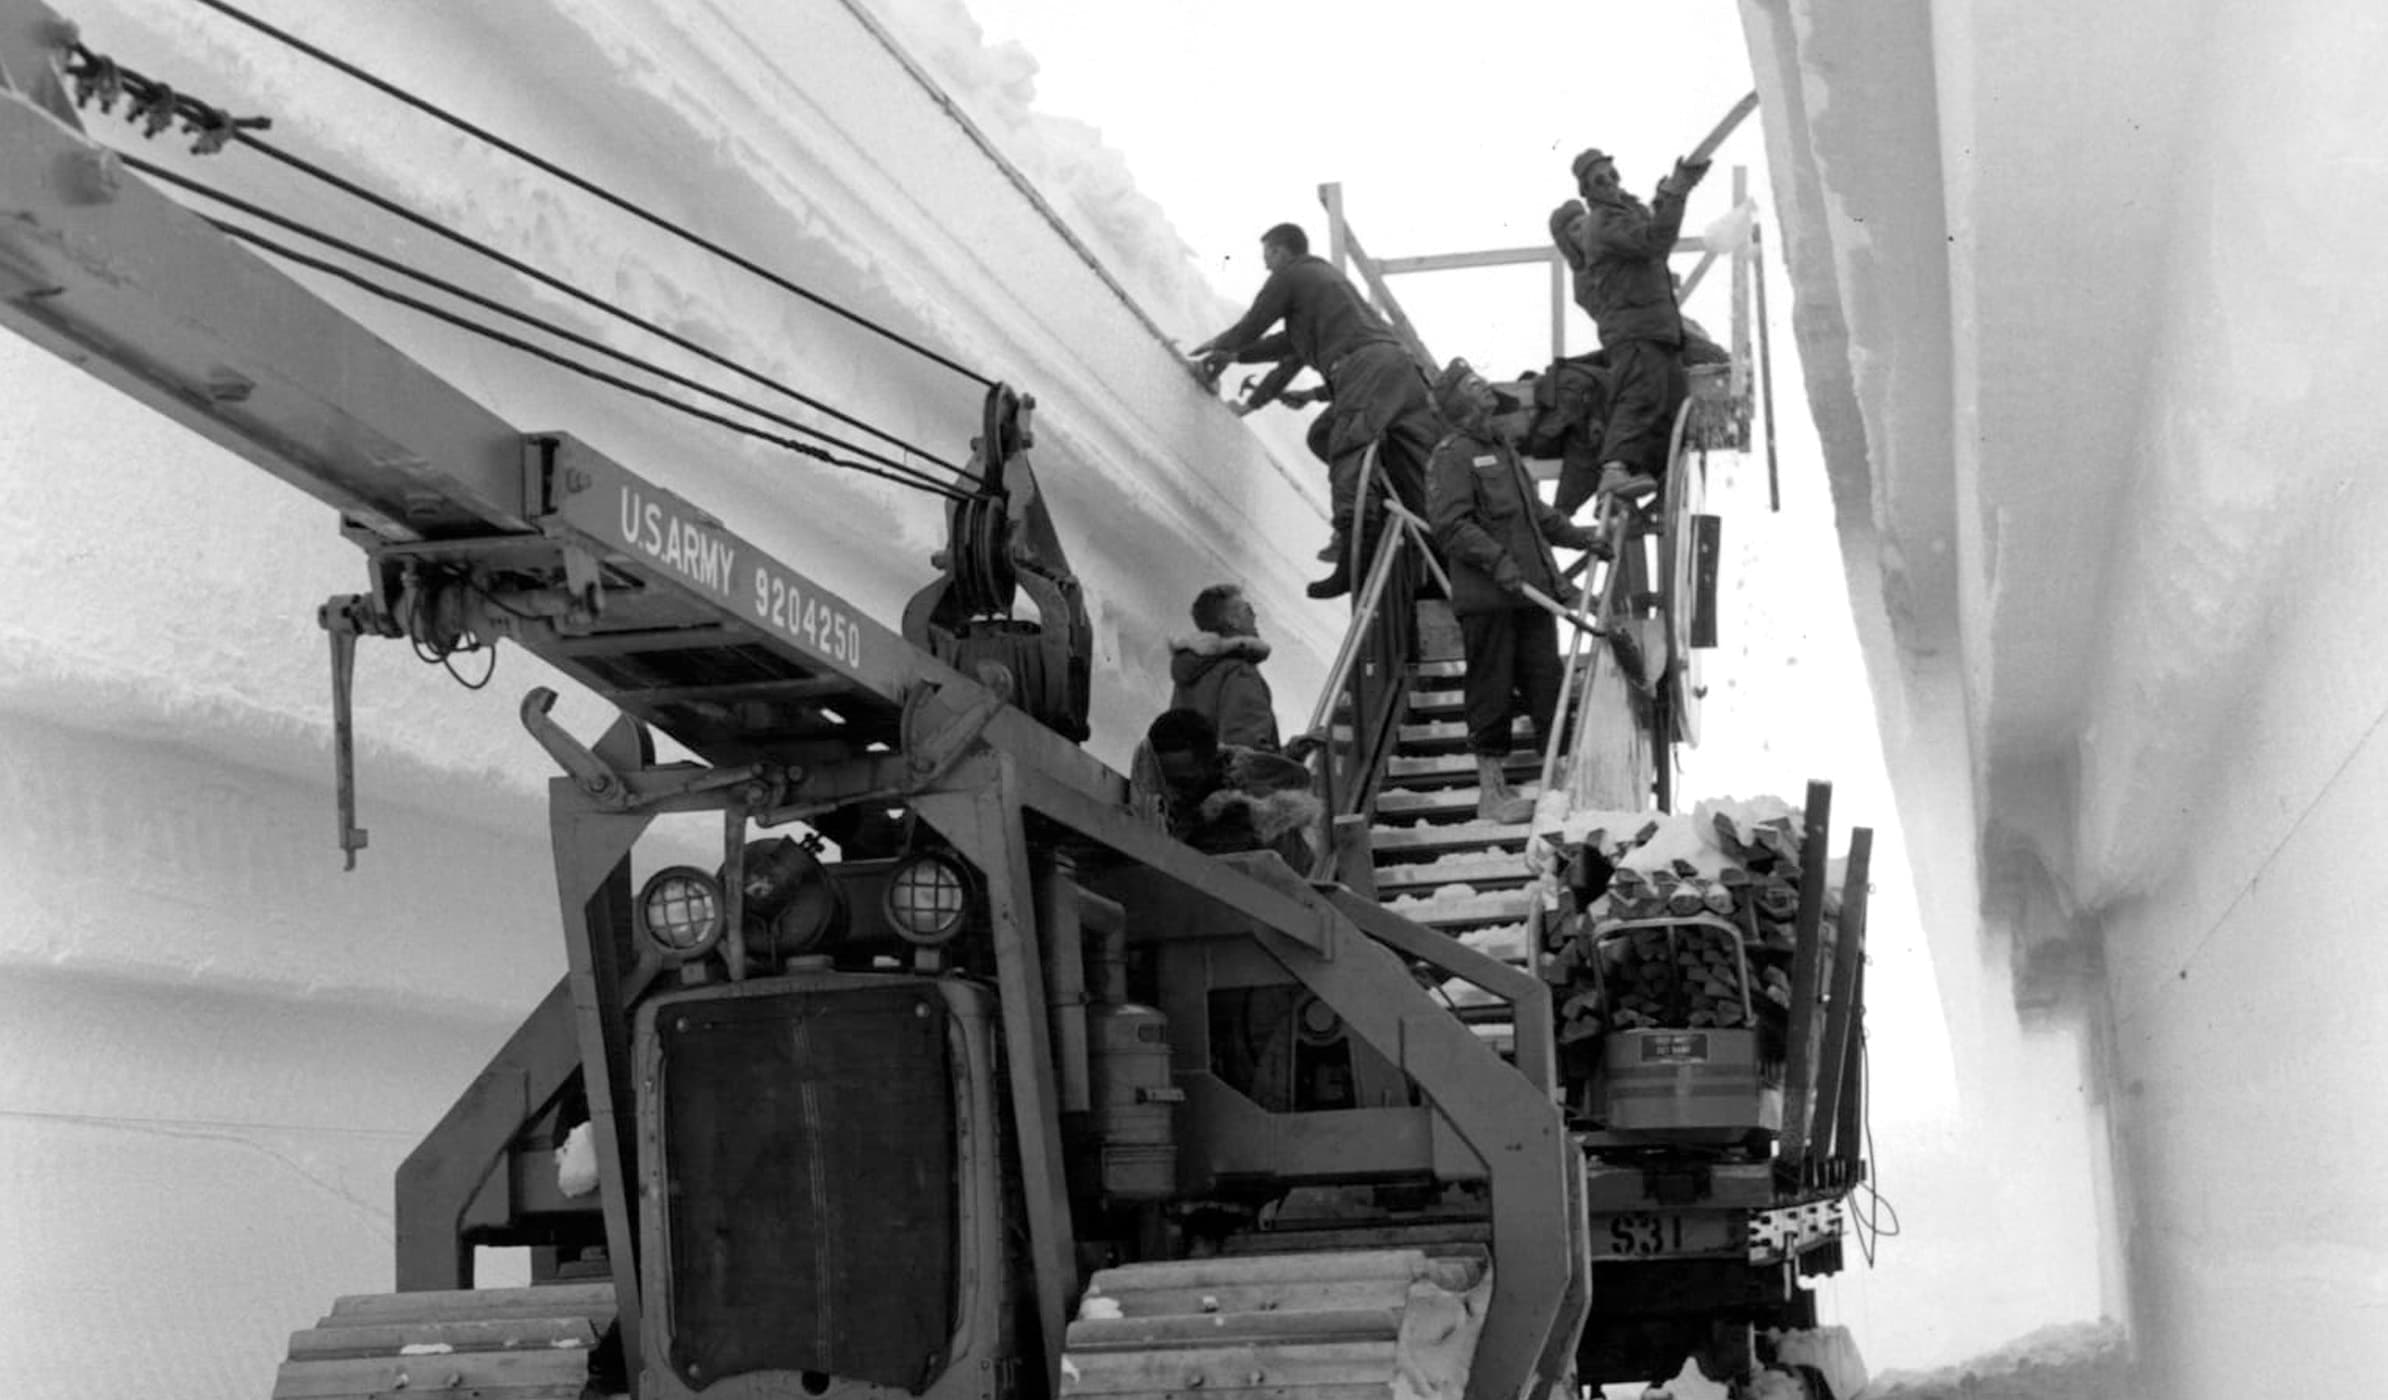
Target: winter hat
{"x": 1452, "y": 404}
{"x": 1448, "y": 400}
{"x": 1585, "y": 160}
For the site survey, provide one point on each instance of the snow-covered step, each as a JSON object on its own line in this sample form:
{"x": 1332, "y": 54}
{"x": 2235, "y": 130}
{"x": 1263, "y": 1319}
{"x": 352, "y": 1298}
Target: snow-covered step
{"x": 1437, "y": 702}
{"x": 1440, "y": 734}
{"x": 1437, "y": 804}
{"x": 1470, "y": 910}
{"x": 1423, "y": 769}
{"x": 1493, "y": 867}
{"x": 1448, "y": 836}
{"x": 1440, "y": 670}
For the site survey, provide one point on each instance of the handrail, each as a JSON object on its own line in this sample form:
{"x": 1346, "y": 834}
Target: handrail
{"x": 1599, "y": 620}
{"x": 1371, "y": 669}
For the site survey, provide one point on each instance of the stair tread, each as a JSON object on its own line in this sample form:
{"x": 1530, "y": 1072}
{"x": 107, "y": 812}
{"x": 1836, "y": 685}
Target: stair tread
{"x": 1438, "y": 801}
{"x": 1430, "y": 835}
{"x": 1485, "y": 870}
{"x": 1456, "y": 765}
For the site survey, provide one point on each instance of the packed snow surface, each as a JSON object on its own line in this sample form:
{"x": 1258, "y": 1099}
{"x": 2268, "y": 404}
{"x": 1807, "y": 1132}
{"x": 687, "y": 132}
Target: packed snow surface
{"x": 2086, "y": 303}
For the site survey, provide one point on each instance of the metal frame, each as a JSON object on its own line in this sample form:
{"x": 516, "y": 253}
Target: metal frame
{"x": 1344, "y": 247}
{"x": 102, "y": 270}
{"x": 442, "y": 1182}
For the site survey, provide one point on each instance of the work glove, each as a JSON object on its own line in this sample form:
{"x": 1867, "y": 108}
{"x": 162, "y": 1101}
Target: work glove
{"x": 1509, "y": 578}
{"x": 1591, "y": 541}
{"x": 1687, "y": 174}
{"x": 1563, "y": 219}
{"x": 1568, "y": 595}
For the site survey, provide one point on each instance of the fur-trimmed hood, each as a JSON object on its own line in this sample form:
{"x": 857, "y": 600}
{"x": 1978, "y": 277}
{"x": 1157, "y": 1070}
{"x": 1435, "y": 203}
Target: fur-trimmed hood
{"x": 1272, "y": 814}
{"x": 1189, "y": 657}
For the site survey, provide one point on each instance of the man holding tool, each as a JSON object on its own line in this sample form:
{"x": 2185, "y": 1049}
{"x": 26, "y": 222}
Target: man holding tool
{"x": 1496, "y": 533}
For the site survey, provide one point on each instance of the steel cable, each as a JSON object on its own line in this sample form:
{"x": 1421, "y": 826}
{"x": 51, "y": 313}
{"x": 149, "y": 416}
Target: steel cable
{"x": 925, "y": 480}
{"x": 549, "y": 280}
{"x": 157, "y": 105}
{"x": 391, "y": 294}
{"x": 586, "y": 186}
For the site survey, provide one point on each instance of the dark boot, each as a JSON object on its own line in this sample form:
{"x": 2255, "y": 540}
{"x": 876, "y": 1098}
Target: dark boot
{"x": 1496, "y": 801}
{"x": 1335, "y": 584}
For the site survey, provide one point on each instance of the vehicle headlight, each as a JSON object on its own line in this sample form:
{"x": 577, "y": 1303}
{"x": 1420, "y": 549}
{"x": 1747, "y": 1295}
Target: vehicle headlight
{"x": 928, "y": 900}
{"x": 681, "y": 909}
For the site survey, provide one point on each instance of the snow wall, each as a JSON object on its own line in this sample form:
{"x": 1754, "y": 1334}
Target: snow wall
{"x": 214, "y": 1046}
{"x": 2087, "y": 299}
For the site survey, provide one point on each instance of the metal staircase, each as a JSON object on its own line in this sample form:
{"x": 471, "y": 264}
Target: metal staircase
{"x": 1435, "y": 861}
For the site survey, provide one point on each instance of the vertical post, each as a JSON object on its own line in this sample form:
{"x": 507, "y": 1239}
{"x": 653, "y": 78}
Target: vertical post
{"x": 1849, "y": 1132}
{"x": 1065, "y": 977}
{"x": 1742, "y": 380}
{"x": 1774, "y": 486}
{"x": 592, "y": 857}
{"x": 1331, "y": 195}
{"x": 1841, "y": 1010}
{"x": 1799, "y": 1060}
{"x": 1559, "y": 302}
{"x": 980, "y": 814}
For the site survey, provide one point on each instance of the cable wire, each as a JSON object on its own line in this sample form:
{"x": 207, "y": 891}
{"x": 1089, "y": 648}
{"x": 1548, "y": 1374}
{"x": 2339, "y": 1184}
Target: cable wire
{"x": 549, "y": 280}
{"x": 1866, "y": 1223}
{"x": 491, "y": 304}
{"x": 365, "y": 283}
{"x": 98, "y": 78}
{"x": 586, "y": 186}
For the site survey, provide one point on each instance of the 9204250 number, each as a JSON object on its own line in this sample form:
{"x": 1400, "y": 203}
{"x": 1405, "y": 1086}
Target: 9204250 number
{"x": 785, "y": 608}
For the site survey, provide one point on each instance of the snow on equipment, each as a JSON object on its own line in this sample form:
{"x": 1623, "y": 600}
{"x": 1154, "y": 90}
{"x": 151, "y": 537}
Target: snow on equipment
{"x": 1009, "y": 1093}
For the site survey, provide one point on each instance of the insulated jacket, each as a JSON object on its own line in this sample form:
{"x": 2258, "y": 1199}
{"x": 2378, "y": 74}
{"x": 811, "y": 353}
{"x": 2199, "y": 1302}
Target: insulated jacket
{"x": 1488, "y": 518}
{"x": 1219, "y": 677}
{"x": 1325, "y": 318}
{"x": 1618, "y": 252}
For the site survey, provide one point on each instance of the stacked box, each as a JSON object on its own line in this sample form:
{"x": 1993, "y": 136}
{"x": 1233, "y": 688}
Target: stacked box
{"x": 1694, "y": 929}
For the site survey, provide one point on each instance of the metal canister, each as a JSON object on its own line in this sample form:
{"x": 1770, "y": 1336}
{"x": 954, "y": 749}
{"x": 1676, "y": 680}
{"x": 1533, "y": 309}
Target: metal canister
{"x": 1133, "y": 1100}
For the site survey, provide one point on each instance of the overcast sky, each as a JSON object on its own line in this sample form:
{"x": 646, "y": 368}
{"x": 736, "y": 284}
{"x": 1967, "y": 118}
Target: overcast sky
{"x": 1445, "y": 135}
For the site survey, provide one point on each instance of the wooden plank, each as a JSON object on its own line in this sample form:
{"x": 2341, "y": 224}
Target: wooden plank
{"x": 481, "y": 1334}
{"x": 1210, "y": 1368}
{"x": 1358, "y": 1390}
{"x": 1842, "y": 1009}
{"x": 1707, "y": 551}
{"x": 1328, "y": 1326}
{"x": 1496, "y": 257}
{"x": 1806, "y": 975}
{"x": 1301, "y": 1296}
{"x": 1352, "y": 1264}
{"x": 556, "y": 1300}
{"x": 510, "y": 1373}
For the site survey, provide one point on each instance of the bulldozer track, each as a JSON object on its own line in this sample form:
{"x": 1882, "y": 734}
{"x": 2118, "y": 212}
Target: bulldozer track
{"x": 1343, "y": 1325}
{"x": 501, "y": 1343}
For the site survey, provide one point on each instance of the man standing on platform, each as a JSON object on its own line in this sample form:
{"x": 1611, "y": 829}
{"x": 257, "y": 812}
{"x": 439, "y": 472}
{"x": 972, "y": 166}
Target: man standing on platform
{"x": 1617, "y": 248}
{"x": 1377, "y": 394}
{"x": 1496, "y": 534}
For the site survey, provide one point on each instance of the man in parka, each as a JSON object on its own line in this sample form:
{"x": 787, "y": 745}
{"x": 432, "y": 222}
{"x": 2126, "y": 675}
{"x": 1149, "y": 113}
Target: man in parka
{"x": 1217, "y": 670}
{"x": 1617, "y": 249}
{"x": 1377, "y": 394}
{"x": 1496, "y": 534}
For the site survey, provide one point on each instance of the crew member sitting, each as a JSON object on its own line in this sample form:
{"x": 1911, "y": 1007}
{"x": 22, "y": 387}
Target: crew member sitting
{"x": 1217, "y": 670}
